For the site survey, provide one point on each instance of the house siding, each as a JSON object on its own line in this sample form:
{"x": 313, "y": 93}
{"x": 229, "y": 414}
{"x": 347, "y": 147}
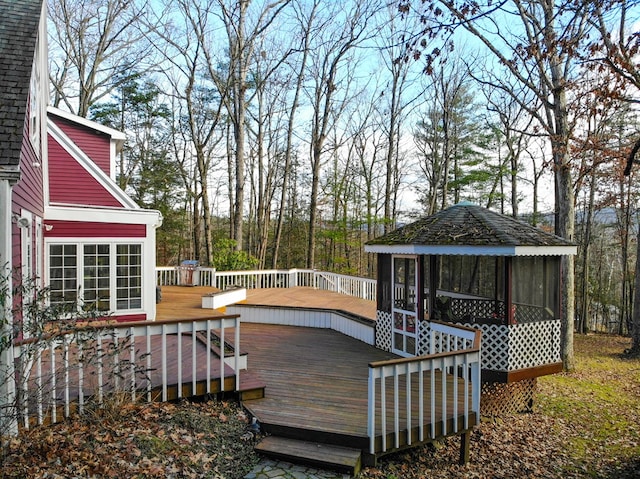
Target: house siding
{"x": 27, "y": 193}
{"x": 85, "y": 229}
{"x": 96, "y": 145}
{"x": 70, "y": 183}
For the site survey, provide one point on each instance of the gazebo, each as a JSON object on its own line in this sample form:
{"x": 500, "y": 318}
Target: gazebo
{"x": 471, "y": 266}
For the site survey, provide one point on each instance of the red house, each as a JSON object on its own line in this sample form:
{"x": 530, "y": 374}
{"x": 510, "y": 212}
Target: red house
{"x": 64, "y": 222}
{"x": 99, "y": 244}
{"x": 23, "y": 93}
{"x": 23, "y": 88}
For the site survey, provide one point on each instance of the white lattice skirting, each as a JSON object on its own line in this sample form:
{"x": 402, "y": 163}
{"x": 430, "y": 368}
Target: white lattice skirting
{"x": 519, "y": 346}
{"x": 504, "y": 348}
{"x": 383, "y": 330}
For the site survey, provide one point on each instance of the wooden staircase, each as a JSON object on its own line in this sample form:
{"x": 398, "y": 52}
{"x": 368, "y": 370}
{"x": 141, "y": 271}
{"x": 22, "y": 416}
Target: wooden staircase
{"x": 324, "y": 456}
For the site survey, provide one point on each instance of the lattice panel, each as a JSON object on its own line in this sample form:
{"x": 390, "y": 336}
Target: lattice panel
{"x": 525, "y": 313}
{"x": 504, "y": 348}
{"x": 424, "y": 333}
{"x": 498, "y": 399}
{"x": 495, "y": 346}
{"x": 534, "y": 344}
{"x": 476, "y": 308}
{"x": 383, "y": 330}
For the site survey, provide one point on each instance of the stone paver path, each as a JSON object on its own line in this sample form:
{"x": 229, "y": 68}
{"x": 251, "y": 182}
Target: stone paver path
{"x": 270, "y": 469}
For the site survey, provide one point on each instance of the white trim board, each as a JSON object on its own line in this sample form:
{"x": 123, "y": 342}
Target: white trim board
{"x": 303, "y": 317}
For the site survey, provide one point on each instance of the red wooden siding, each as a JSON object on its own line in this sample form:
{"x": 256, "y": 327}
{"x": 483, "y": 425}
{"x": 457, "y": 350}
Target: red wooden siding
{"x": 95, "y": 144}
{"x": 70, "y": 183}
{"x": 88, "y": 229}
{"x": 27, "y": 193}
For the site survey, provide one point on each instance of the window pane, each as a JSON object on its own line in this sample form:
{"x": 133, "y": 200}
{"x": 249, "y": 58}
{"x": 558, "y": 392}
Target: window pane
{"x": 96, "y": 277}
{"x": 129, "y": 276}
{"x": 63, "y": 276}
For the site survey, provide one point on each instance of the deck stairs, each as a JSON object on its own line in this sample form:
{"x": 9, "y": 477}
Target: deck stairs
{"x": 251, "y": 386}
{"x": 286, "y": 437}
{"x": 324, "y": 456}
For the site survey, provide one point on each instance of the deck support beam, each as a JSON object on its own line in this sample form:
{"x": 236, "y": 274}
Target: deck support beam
{"x": 465, "y": 442}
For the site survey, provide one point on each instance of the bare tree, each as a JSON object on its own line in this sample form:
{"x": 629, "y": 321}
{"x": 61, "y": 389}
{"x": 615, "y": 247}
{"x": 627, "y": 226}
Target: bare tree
{"x": 242, "y": 37}
{"x": 616, "y": 49}
{"x": 306, "y": 22}
{"x": 536, "y": 44}
{"x": 513, "y": 124}
{"x": 330, "y": 90}
{"x": 93, "y": 44}
{"x": 185, "y": 45}
{"x": 395, "y": 100}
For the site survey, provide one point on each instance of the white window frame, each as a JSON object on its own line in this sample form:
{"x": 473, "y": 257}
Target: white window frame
{"x": 80, "y": 263}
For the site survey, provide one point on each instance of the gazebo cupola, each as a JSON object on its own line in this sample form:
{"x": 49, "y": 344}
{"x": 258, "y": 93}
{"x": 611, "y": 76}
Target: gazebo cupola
{"x": 471, "y": 266}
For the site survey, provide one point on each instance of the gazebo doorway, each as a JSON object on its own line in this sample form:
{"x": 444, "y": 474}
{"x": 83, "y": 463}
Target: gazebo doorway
{"x": 405, "y": 305}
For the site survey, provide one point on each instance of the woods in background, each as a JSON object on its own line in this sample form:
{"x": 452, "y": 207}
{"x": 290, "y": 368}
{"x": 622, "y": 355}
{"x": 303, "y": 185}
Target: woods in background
{"x": 295, "y": 130}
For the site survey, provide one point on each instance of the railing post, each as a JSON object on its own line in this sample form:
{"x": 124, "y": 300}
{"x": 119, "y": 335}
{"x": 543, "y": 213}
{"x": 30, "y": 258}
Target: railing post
{"x": 8, "y": 396}
{"x": 236, "y": 351}
{"x": 476, "y": 384}
{"x": 371, "y": 414}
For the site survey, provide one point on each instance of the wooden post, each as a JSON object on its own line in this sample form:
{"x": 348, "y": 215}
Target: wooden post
{"x": 465, "y": 441}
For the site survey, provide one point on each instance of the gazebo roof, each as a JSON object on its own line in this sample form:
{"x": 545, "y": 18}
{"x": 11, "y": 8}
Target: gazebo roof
{"x": 470, "y": 229}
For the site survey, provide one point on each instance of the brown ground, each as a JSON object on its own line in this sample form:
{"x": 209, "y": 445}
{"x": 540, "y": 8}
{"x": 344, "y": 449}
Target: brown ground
{"x": 585, "y": 424}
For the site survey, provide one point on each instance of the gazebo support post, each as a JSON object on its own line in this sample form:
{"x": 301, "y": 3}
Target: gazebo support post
{"x": 508, "y": 291}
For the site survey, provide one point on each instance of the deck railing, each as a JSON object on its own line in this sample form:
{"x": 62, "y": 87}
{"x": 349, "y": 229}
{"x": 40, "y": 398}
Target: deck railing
{"x": 60, "y": 373}
{"x": 419, "y": 398}
{"x": 272, "y": 278}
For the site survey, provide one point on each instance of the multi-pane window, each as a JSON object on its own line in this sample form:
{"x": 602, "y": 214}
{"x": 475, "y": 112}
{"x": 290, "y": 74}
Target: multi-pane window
{"x": 63, "y": 275}
{"x": 129, "y": 276}
{"x": 96, "y": 294}
{"x": 100, "y": 277}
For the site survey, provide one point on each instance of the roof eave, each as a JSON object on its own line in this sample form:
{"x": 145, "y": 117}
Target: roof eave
{"x": 557, "y": 250}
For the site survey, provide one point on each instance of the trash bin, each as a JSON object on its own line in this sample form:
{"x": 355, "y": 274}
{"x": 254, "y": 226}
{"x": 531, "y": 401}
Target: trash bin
{"x": 188, "y": 273}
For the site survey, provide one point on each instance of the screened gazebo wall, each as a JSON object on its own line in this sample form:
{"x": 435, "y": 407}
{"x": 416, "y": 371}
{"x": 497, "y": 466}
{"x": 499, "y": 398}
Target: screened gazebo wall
{"x": 514, "y": 301}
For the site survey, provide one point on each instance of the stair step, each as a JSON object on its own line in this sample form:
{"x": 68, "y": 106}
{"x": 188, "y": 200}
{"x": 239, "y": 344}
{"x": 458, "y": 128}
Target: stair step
{"x": 324, "y": 456}
{"x": 251, "y": 386}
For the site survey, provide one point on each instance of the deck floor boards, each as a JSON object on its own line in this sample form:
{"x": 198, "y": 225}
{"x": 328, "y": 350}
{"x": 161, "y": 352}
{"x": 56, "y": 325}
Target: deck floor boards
{"x": 316, "y": 378}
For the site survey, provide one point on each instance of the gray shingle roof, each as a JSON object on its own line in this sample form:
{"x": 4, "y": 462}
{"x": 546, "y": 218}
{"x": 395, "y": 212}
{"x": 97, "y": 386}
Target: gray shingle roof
{"x": 466, "y": 224}
{"x": 19, "y": 21}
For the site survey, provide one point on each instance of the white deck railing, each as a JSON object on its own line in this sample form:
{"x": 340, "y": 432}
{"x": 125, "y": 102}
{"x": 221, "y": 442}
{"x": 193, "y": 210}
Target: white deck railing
{"x": 272, "y": 278}
{"x": 59, "y": 373}
{"x": 439, "y": 380}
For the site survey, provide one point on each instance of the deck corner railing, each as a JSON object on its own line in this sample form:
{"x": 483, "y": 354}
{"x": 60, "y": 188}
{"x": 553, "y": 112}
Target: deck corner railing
{"x": 419, "y": 397}
{"x": 58, "y": 373}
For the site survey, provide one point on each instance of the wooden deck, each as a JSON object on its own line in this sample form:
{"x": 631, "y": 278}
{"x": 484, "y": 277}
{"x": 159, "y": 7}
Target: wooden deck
{"x": 317, "y": 379}
{"x": 182, "y": 302}
{"x": 317, "y": 389}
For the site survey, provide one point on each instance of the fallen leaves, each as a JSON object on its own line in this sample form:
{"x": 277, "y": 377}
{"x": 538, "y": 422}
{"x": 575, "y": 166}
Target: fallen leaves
{"x": 585, "y": 424}
{"x": 187, "y": 440}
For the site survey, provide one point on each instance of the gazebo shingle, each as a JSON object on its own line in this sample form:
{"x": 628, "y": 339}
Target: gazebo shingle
{"x": 19, "y": 20}
{"x": 469, "y": 225}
